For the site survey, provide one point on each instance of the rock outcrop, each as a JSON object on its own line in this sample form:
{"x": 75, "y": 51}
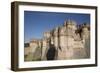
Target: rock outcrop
{"x": 69, "y": 41}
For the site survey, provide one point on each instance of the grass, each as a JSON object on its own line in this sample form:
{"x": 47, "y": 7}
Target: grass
{"x": 36, "y": 56}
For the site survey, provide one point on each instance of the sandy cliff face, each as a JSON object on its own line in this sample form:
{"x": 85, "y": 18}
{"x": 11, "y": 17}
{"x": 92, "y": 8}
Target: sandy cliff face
{"x": 65, "y": 42}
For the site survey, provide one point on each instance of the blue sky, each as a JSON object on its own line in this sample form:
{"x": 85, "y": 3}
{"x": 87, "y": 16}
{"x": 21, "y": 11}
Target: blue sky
{"x": 35, "y": 23}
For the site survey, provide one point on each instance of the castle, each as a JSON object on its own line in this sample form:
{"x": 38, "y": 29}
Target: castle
{"x": 69, "y": 41}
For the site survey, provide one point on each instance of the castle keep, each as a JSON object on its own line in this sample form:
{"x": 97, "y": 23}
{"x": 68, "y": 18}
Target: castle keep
{"x": 69, "y": 41}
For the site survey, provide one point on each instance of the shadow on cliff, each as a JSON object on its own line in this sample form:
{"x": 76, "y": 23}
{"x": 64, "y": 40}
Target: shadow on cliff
{"x": 51, "y": 53}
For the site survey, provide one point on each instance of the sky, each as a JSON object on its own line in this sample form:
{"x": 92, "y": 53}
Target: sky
{"x": 35, "y": 22}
